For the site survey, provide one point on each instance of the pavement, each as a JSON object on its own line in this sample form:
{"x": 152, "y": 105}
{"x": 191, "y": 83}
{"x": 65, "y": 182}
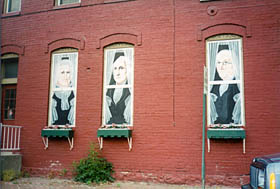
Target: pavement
{"x": 46, "y": 183}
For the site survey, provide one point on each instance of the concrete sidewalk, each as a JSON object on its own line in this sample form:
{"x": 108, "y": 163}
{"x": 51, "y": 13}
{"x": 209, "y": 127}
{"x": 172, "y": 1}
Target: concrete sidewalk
{"x": 44, "y": 183}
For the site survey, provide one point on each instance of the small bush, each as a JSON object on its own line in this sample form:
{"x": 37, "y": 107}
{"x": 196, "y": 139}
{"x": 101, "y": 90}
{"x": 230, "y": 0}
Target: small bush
{"x": 63, "y": 172}
{"x": 24, "y": 174}
{"x": 93, "y": 168}
{"x": 51, "y": 175}
{"x": 9, "y": 175}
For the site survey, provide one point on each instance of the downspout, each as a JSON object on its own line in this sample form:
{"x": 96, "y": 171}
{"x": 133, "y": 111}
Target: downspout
{"x": 1, "y": 162}
{"x": 203, "y": 128}
{"x": 1, "y": 8}
{"x": 174, "y": 61}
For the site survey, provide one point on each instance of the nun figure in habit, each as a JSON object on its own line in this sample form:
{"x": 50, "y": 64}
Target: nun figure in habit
{"x": 118, "y": 99}
{"x": 63, "y": 100}
{"x": 225, "y": 98}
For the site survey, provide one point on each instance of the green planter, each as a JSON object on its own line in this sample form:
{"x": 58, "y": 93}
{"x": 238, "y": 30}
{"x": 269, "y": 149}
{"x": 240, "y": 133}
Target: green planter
{"x": 114, "y": 133}
{"x": 226, "y": 134}
{"x": 69, "y": 133}
{"x": 111, "y": 133}
{"x": 57, "y": 133}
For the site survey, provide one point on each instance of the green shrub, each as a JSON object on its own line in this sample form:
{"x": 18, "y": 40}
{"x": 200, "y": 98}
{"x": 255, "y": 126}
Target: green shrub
{"x": 24, "y": 174}
{"x": 51, "y": 175}
{"x": 93, "y": 168}
{"x": 9, "y": 175}
{"x": 63, "y": 172}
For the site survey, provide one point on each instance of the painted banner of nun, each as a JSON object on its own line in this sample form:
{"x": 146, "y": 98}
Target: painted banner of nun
{"x": 118, "y": 87}
{"x": 63, "y": 93}
{"x": 224, "y": 77}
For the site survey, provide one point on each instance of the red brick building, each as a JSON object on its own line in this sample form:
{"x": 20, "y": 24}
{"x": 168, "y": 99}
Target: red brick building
{"x": 168, "y": 42}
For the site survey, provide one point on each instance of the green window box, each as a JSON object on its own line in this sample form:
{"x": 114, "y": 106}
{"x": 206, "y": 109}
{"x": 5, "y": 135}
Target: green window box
{"x": 114, "y": 133}
{"x": 57, "y": 133}
{"x": 226, "y": 134}
{"x": 106, "y": 133}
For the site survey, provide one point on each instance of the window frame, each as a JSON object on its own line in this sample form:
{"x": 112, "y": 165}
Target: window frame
{"x": 226, "y": 38}
{"x": 58, "y": 3}
{"x": 6, "y": 88}
{"x": 8, "y": 84}
{"x": 111, "y": 48}
{"x": 8, "y": 80}
{"x": 63, "y": 52}
{"x": 6, "y": 7}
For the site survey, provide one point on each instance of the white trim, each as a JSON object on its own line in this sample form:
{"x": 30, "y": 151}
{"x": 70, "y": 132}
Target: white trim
{"x": 9, "y": 55}
{"x": 64, "y": 89}
{"x": 226, "y": 129}
{"x": 60, "y": 4}
{"x": 241, "y": 81}
{"x": 105, "y": 87}
{"x": 12, "y": 141}
{"x": 52, "y": 90}
{"x": 224, "y": 82}
{"x": 114, "y": 129}
{"x": 9, "y": 81}
{"x": 7, "y": 7}
{"x": 117, "y": 86}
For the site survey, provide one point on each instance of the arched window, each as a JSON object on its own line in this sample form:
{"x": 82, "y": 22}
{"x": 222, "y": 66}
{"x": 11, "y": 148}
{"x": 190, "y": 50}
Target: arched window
{"x": 9, "y": 65}
{"x": 63, "y": 87}
{"x": 118, "y": 85}
{"x": 225, "y": 81}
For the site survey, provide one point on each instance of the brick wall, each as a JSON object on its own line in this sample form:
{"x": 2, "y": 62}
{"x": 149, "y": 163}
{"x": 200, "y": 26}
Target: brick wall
{"x": 169, "y": 38}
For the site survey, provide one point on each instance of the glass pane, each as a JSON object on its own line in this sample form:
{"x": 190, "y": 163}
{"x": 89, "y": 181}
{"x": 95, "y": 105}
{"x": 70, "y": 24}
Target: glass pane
{"x": 5, "y": 114}
{"x": 63, "y": 2}
{"x": 261, "y": 178}
{"x": 10, "y": 114}
{"x": 118, "y": 92}
{"x": 7, "y": 94}
{"x": 9, "y": 103}
{"x": 224, "y": 60}
{"x": 6, "y": 105}
{"x": 63, "y": 89}
{"x": 225, "y": 104}
{"x": 13, "y": 93}
{"x": 118, "y": 106}
{"x": 12, "y": 103}
{"x": 10, "y": 67}
{"x": 13, "y": 5}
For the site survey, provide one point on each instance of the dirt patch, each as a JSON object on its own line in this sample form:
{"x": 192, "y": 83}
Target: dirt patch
{"x": 44, "y": 183}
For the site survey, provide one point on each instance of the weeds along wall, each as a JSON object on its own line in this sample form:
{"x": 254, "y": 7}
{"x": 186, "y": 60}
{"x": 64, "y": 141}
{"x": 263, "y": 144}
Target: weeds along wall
{"x": 169, "y": 40}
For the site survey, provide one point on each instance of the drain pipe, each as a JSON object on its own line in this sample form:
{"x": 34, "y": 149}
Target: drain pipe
{"x": 1, "y": 160}
{"x": 174, "y": 64}
{"x": 203, "y": 128}
{"x": 1, "y": 163}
